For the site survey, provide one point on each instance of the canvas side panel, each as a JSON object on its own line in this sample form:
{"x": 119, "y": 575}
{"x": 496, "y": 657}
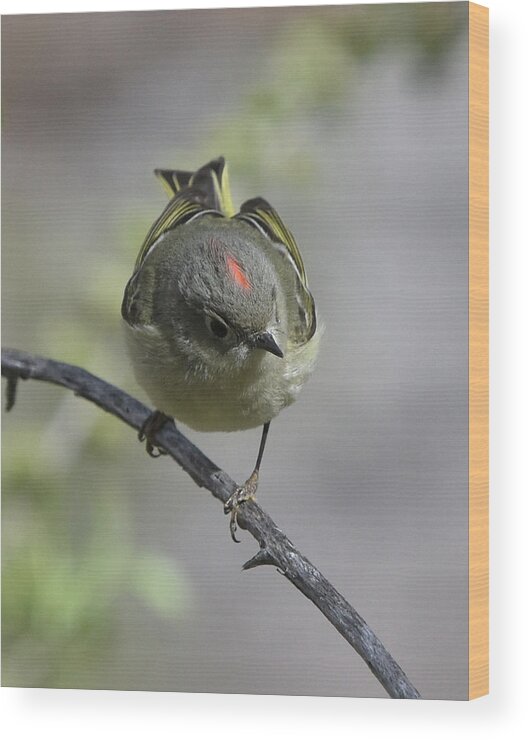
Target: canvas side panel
{"x": 478, "y": 352}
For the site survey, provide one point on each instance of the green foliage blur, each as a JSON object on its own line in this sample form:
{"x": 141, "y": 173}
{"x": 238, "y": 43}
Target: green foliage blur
{"x": 311, "y": 71}
{"x": 64, "y": 586}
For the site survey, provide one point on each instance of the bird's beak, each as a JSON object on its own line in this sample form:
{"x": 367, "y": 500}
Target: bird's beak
{"x": 266, "y": 341}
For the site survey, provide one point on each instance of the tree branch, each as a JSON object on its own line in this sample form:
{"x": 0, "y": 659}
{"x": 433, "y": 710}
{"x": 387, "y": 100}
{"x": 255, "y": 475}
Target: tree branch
{"x": 274, "y": 547}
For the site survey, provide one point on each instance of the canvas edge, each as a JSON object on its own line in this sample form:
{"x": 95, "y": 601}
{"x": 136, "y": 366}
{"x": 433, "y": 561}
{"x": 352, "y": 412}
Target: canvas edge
{"x": 478, "y": 104}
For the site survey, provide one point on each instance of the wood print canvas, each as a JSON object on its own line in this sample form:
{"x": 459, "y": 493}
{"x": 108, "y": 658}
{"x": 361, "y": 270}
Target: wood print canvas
{"x": 269, "y": 224}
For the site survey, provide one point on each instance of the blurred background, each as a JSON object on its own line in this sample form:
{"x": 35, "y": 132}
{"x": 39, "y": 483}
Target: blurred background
{"x": 352, "y": 121}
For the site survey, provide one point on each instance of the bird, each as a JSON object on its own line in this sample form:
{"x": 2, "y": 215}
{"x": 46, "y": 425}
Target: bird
{"x": 221, "y": 326}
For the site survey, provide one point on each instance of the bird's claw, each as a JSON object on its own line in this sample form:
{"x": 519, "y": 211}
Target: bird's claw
{"x": 152, "y": 450}
{"x": 247, "y": 492}
{"x": 150, "y": 427}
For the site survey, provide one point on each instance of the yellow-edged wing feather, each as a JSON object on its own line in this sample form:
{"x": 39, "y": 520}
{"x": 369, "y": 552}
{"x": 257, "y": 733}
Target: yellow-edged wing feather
{"x": 192, "y": 194}
{"x": 267, "y": 217}
{"x": 262, "y": 216}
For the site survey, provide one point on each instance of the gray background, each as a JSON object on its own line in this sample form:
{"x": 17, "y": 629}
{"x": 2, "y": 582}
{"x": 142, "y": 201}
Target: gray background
{"x": 367, "y": 473}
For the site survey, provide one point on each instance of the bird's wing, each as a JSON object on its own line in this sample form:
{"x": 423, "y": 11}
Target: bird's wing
{"x": 193, "y": 194}
{"x": 258, "y": 213}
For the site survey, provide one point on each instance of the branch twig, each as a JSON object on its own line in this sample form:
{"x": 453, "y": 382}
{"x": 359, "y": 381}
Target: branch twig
{"x": 274, "y": 547}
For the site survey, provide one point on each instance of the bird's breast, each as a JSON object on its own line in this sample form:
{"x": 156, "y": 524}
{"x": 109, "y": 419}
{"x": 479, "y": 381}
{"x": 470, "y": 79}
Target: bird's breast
{"x": 241, "y": 396}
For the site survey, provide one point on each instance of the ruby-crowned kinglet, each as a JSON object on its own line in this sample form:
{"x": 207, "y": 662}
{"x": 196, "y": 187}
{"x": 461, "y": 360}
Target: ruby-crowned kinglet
{"x": 220, "y": 323}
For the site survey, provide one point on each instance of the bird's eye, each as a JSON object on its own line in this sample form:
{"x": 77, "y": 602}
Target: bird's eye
{"x": 217, "y": 327}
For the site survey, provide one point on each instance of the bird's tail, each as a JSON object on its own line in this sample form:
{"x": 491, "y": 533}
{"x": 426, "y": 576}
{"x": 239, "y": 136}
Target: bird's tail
{"x": 209, "y": 185}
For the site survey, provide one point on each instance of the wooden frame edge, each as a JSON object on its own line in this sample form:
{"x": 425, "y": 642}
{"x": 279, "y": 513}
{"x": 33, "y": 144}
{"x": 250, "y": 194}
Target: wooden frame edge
{"x": 478, "y": 684}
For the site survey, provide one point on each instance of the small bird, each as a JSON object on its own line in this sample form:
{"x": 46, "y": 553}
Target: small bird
{"x": 221, "y": 326}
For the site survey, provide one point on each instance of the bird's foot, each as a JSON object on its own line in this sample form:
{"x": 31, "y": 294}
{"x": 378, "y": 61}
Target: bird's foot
{"x": 247, "y": 492}
{"x": 149, "y": 430}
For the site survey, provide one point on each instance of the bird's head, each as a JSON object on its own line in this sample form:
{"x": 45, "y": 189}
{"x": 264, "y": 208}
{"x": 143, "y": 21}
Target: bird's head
{"x": 229, "y": 305}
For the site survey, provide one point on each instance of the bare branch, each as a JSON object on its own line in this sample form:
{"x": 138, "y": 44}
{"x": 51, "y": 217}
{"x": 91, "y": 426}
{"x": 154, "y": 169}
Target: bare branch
{"x": 274, "y": 547}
